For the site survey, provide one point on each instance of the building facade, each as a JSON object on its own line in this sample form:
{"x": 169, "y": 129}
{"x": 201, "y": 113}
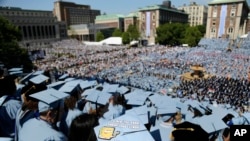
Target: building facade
{"x": 38, "y": 28}
{"x": 131, "y": 19}
{"x": 227, "y": 19}
{"x": 74, "y": 14}
{"x": 151, "y": 17}
{"x": 197, "y": 14}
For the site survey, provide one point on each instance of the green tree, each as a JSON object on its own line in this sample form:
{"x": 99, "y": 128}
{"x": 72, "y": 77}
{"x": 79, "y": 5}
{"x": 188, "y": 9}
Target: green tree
{"x": 192, "y": 36}
{"x": 125, "y": 38}
{"x": 170, "y": 33}
{"x": 117, "y": 33}
{"x": 10, "y": 52}
{"x": 133, "y": 32}
{"x": 99, "y": 36}
{"x": 202, "y": 29}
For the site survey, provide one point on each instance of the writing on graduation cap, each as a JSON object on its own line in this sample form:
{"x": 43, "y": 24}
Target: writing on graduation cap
{"x": 124, "y": 124}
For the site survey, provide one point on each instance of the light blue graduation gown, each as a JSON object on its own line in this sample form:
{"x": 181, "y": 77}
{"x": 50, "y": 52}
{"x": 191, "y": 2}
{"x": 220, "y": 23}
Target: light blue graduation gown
{"x": 8, "y": 116}
{"x": 39, "y": 130}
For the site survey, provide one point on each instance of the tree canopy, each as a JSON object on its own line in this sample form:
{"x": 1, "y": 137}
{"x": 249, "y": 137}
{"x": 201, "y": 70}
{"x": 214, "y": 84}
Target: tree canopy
{"x": 10, "y": 53}
{"x": 178, "y": 33}
{"x": 125, "y": 38}
{"x": 117, "y": 33}
{"x": 133, "y": 32}
{"x": 99, "y": 36}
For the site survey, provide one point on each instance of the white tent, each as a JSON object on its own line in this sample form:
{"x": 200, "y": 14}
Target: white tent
{"x": 108, "y": 41}
{"x": 112, "y": 41}
{"x": 244, "y": 36}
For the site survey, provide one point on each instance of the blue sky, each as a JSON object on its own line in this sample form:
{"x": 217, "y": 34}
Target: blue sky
{"x": 108, "y": 6}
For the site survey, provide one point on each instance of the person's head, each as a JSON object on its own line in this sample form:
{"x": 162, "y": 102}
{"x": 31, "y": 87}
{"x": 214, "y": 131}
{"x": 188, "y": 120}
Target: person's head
{"x": 82, "y": 128}
{"x": 48, "y": 112}
{"x": 70, "y": 103}
{"x": 9, "y": 86}
{"x": 117, "y": 99}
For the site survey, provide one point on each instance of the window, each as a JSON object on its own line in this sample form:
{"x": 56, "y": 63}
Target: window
{"x": 233, "y": 12}
{"x": 213, "y": 30}
{"x": 214, "y": 14}
{"x": 230, "y": 30}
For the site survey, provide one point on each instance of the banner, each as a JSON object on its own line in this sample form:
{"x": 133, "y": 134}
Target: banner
{"x": 223, "y": 15}
{"x": 148, "y": 21}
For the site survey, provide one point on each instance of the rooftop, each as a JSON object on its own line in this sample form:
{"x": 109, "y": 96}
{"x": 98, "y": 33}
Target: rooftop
{"x": 160, "y": 7}
{"x": 225, "y": 1}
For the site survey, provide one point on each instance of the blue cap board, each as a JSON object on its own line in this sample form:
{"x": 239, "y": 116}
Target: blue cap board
{"x": 70, "y": 86}
{"x": 88, "y": 84}
{"x": 141, "y": 112}
{"x": 64, "y": 76}
{"x": 103, "y": 98}
{"x": 122, "y": 90}
{"x": 56, "y": 85}
{"x": 48, "y": 98}
{"x": 38, "y": 72}
{"x": 39, "y": 79}
{"x": 110, "y": 87}
{"x": 136, "y": 97}
{"x": 15, "y": 69}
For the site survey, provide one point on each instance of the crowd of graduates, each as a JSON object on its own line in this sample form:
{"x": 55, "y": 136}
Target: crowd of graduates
{"x": 80, "y": 92}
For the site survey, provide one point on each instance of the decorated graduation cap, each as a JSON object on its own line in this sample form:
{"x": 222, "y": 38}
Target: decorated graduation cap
{"x": 48, "y": 99}
{"x": 124, "y": 128}
{"x": 189, "y": 132}
{"x": 39, "y": 79}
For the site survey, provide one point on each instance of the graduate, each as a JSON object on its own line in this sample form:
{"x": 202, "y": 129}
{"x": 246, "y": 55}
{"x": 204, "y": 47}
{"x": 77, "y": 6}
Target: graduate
{"x": 9, "y": 105}
{"x": 43, "y": 126}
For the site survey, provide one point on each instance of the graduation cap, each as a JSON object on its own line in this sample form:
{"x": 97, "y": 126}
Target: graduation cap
{"x": 137, "y": 97}
{"x": 141, "y": 112}
{"x": 103, "y": 98}
{"x": 39, "y": 79}
{"x": 48, "y": 98}
{"x": 26, "y": 78}
{"x": 211, "y": 123}
{"x": 38, "y": 72}
{"x": 123, "y": 128}
{"x": 87, "y": 84}
{"x": 189, "y": 132}
{"x": 70, "y": 87}
{"x": 64, "y": 76}
{"x": 122, "y": 90}
{"x": 93, "y": 96}
{"x": 112, "y": 88}
{"x": 15, "y": 73}
{"x": 56, "y": 85}
{"x": 15, "y": 69}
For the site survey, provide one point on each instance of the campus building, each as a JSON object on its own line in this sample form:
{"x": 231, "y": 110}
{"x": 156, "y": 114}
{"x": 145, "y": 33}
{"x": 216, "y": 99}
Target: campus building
{"x": 197, "y": 14}
{"x": 131, "y": 19}
{"x": 74, "y": 14}
{"x": 227, "y": 19}
{"x": 151, "y": 17}
{"x": 38, "y": 28}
